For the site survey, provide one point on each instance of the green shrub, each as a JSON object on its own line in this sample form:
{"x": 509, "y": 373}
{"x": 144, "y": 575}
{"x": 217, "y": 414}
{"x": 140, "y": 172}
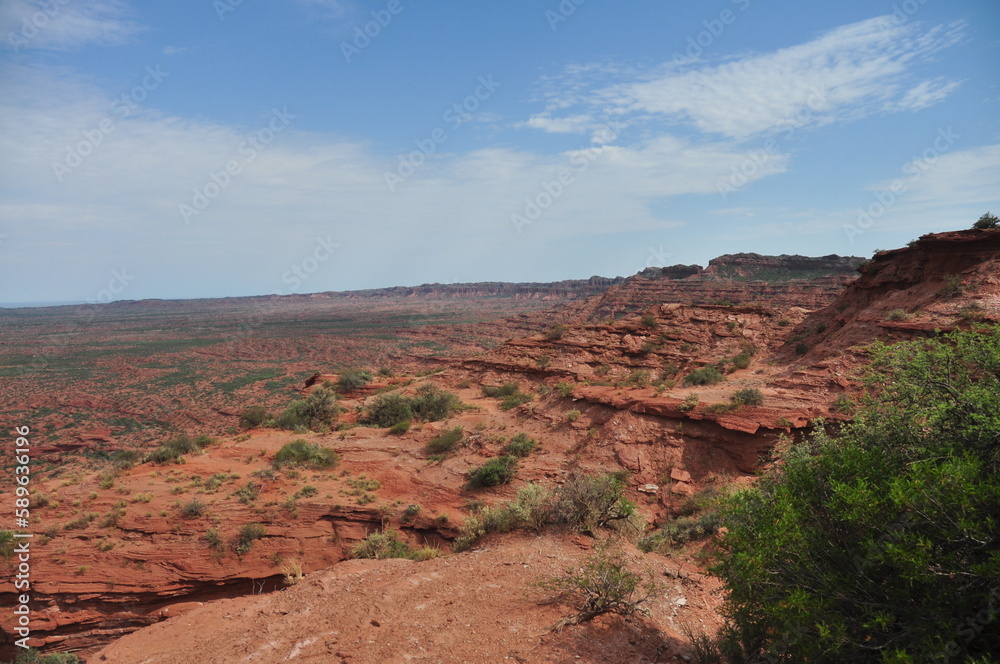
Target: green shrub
{"x": 253, "y": 417}
{"x": 500, "y": 391}
{"x": 249, "y": 533}
{"x": 317, "y": 410}
{"x": 514, "y": 400}
{"x": 742, "y": 361}
{"x": 445, "y": 441}
{"x": 388, "y": 409}
{"x": 399, "y": 428}
{"x": 638, "y": 378}
{"x": 520, "y": 445}
{"x": 496, "y": 471}
{"x": 173, "y": 450}
{"x": 704, "y": 376}
{"x": 573, "y": 415}
{"x": 586, "y": 503}
{"x": 353, "y": 379}
{"x": 531, "y": 509}
{"x": 879, "y": 544}
{"x": 432, "y": 404}
{"x": 214, "y": 538}
{"x": 565, "y": 389}
{"x": 690, "y": 403}
{"x": 382, "y": 545}
{"x": 248, "y": 493}
{"x": 896, "y": 315}
{"x": 843, "y": 404}
{"x": 32, "y": 656}
{"x": 801, "y": 348}
{"x": 555, "y": 333}
{"x": 302, "y": 454}
{"x": 750, "y": 396}
{"x": 649, "y": 320}
{"x": 192, "y": 509}
{"x": 7, "y": 544}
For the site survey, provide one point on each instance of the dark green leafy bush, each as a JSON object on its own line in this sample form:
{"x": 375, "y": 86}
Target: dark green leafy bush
{"x": 388, "y": 409}
{"x": 704, "y": 376}
{"x": 496, "y": 471}
{"x": 879, "y": 545}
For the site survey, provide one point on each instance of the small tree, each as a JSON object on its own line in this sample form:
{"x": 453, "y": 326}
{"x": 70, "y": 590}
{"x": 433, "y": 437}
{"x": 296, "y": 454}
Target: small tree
{"x": 987, "y": 222}
{"x": 604, "y": 584}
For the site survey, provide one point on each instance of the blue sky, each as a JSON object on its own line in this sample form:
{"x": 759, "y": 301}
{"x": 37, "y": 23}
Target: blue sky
{"x": 214, "y": 148}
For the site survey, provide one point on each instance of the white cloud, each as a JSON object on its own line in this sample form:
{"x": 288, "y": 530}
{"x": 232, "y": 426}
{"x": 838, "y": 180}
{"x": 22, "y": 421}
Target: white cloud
{"x": 176, "y": 50}
{"x": 123, "y": 199}
{"x": 847, "y": 73}
{"x": 63, "y": 25}
{"x": 574, "y": 124}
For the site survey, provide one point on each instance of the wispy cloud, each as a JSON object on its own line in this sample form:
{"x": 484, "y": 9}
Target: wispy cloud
{"x": 37, "y": 24}
{"x": 847, "y": 73}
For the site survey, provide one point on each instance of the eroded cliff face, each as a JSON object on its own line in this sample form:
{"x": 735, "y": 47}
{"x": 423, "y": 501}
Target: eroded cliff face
{"x": 941, "y": 281}
{"x": 775, "y": 281}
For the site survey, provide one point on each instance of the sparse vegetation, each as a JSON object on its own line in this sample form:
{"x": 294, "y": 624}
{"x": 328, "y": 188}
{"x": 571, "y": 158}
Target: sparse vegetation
{"x": 604, "y": 584}
{"x": 555, "y": 333}
{"x": 649, "y": 320}
{"x": 174, "y": 449}
{"x": 572, "y": 415}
